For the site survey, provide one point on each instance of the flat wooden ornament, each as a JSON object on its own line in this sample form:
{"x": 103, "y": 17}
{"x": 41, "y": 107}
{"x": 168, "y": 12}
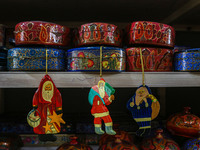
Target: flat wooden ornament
{"x": 46, "y": 115}
{"x": 99, "y": 97}
{"x": 144, "y": 108}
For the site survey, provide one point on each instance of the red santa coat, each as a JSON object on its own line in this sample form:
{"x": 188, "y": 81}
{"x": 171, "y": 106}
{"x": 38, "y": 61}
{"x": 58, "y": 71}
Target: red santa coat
{"x": 43, "y": 106}
{"x": 99, "y": 109}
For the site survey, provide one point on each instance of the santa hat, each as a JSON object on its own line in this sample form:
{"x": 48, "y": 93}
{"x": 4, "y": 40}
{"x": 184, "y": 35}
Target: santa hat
{"x": 102, "y": 79}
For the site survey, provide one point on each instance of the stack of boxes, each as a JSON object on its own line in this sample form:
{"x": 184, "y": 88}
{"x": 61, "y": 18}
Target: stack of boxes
{"x": 89, "y": 40}
{"x": 155, "y": 40}
{"x": 32, "y": 40}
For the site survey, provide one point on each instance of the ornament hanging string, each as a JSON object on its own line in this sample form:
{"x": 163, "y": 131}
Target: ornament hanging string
{"x": 142, "y": 64}
{"x": 100, "y": 65}
{"x": 46, "y": 61}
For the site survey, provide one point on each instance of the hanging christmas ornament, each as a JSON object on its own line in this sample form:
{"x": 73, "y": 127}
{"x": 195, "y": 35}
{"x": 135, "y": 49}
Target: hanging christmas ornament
{"x": 99, "y": 96}
{"x": 143, "y": 106}
{"x": 46, "y": 115}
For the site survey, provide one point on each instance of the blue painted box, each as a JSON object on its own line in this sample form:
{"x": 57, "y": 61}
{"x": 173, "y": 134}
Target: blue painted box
{"x": 187, "y": 60}
{"x": 34, "y": 59}
{"x": 88, "y": 59}
{"x": 3, "y": 59}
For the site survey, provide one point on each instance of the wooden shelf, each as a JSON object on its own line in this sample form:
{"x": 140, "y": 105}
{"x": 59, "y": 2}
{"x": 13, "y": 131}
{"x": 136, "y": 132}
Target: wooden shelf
{"x": 84, "y": 79}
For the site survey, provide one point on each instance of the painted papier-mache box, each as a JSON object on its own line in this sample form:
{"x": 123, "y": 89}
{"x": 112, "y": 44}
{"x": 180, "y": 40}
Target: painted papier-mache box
{"x": 41, "y": 33}
{"x": 154, "y": 59}
{"x": 34, "y": 59}
{"x": 88, "y": 59}
{"x": 150, "y": 33}
{"x": 187, "y": 60}
{"x": 97, "y": 33}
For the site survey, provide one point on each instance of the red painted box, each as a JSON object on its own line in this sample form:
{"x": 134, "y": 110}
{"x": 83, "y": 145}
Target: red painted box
{"x": 155, "y": 59}
{"x": 98, "y": 34}
{"x": 158, "y": 142}
{"x": 42, "y": 33}
{"x": 150, "y": 33}
{"x": 184, "y": 124}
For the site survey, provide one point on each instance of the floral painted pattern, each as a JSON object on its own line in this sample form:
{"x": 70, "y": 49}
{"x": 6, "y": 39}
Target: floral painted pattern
{"x": 39, "y": 32}
{"x": 151, "y": 33}
{"x": 98, "y": 33}
{"x": 88, "y": 59}
{"x": 187, "y": 61}
{"x": 35, "y": 59}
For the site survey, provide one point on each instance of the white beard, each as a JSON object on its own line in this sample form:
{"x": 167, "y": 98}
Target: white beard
{"x": 47, "y": 96}
{"x": 102, "y": 92}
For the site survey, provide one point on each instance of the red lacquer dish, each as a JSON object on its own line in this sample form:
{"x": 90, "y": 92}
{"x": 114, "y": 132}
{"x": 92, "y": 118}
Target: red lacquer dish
{"x": 42, "y": 33}
{"x": 98, "y": 34}
{"x": 151, "y": 33}
{"x": 118, "y": 144}
{"x": 124, "y": 136}
{"x": 73, "y": 145}
{"x": 159, "y": 142}
{"x": 184, "y": 124}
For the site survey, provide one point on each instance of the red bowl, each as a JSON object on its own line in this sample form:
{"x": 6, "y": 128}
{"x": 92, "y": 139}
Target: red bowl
{"x": 159, "y": 142}
{"x": 42, "y": 33}
{"x": 97, "y": 34}
{"x": 184, "y": 124}
{"x": 155, "y": 59}
{"x": 150, "y": 33}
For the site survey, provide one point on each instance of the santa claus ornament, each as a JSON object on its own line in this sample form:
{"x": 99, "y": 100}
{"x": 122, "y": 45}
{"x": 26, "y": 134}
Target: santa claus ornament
{"x": 46, "y": 115}
{"x": 99, "y": 96}
{"x": 143, "y": 106}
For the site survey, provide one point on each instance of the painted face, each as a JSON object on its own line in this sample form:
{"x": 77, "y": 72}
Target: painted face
{"x": 47, "y": 91}
{"x": 142, "y": 92}
{"x": 101, "y": 86}
{"x": 48, "y": 87}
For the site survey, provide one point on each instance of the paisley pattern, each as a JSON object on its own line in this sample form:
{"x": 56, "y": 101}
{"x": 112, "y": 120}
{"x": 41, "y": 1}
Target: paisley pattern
{"x": 152, "y": 33}
{"x": 159, "y": 144}
{"x": 73, "y": 145}
{"x": 184, "y": 124}
{"x": 116, "y": 146}
{"x": 35, "y": 59}
{"x": 155, "y": 59}
{"x": 38, "y": 32}
{"x": 124, "y": 136}
{"x": 98, "y": 33}
{"x": 192, "y": 144}
{"x": 88, "y": 59}
{"x": 187, "y": 61}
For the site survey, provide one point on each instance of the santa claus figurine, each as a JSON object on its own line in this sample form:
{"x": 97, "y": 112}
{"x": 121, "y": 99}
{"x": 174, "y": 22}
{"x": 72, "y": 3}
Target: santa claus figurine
{"x": 46, "y": 116}
{"x": 144, "y": 108}
{"x": 99, "y": 96}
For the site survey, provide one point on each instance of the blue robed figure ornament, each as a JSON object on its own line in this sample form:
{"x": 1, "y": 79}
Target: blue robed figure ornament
{"x": 144, "y": 108}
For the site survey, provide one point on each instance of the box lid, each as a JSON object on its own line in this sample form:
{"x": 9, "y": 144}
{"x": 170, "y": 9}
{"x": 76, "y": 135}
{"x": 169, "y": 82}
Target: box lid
{"x": 149, "y": 26}
{"x": 98, "y": 26}
{"x": 193, "y": 50}
{"x": 41, "y": 25}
